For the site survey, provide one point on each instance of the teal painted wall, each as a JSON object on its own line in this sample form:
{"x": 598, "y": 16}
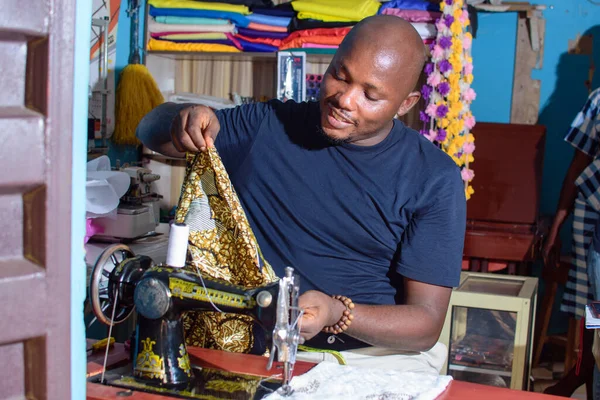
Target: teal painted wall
{"x": 493, "y": 66}
{"x": 563, "y": 91}
{"x": 83, "y": 21}
{"x": 562, "y": 76}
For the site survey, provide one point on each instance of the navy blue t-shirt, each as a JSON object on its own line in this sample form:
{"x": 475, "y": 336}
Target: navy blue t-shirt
{"x": 346, "y": 217}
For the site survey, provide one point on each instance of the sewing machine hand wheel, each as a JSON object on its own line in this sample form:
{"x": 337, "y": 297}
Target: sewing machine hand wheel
{"x": 101, "y": 299}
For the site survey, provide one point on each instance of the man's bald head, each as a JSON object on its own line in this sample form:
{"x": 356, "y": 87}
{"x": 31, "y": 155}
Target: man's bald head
{"x": 393, "y": 38}
{"x": 370, "y": 80}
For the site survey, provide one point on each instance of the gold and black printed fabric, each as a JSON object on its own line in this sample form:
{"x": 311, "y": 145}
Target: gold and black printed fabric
{"x": 222, "y": 246}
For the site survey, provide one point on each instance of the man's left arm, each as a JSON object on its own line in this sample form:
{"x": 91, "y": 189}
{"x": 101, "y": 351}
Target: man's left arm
{"x": 413, "y": 326}
{"x": 430, "y": 259}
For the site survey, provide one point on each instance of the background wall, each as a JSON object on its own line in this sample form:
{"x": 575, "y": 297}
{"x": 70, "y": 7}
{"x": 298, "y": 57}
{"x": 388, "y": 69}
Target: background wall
{"x": 493, "y": 66}
{"x": 563, "y": 90}
{"x": 562, "y": 76}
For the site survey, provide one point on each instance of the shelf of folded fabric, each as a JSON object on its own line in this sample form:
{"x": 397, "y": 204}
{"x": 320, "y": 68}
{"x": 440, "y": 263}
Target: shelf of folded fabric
{"x": 186, "y": 30}
{"x": 312, "y": 55}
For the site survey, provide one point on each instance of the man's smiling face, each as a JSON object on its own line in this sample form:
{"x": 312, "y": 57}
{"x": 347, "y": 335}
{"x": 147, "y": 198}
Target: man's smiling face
{"x": 367, "y": 83}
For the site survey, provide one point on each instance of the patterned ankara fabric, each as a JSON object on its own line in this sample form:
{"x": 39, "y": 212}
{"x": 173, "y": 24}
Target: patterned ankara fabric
{"x": 222, "y": 246}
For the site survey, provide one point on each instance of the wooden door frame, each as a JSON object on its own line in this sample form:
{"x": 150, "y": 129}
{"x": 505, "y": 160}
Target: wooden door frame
{"x": 35, "y": 274}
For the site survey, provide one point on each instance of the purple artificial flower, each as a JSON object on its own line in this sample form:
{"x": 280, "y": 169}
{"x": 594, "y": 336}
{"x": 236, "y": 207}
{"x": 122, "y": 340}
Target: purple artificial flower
{"x": 444, "y": 66}
{"x": 423, "y": 117}
{"x": 448, "y": 20}
{"x": 423, "y": 132}
{"x": 441, "y": 135}
{"x": 426, "y": 91}
{"x": 449, "y": 2}
{"x": 443, "y": 88}
{"x": 441, "y": 111}
{"x": 445, "y": 42}
{"x": 428, "y": 68}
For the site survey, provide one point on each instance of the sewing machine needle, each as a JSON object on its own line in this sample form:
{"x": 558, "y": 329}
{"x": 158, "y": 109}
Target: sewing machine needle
{"x": 287, "y": 389}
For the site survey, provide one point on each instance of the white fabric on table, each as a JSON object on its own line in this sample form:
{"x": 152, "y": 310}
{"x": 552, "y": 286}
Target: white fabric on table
{"x": 333, "y": 381}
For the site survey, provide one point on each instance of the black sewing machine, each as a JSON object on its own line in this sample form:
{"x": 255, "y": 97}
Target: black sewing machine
{"x": 122, "y": 282}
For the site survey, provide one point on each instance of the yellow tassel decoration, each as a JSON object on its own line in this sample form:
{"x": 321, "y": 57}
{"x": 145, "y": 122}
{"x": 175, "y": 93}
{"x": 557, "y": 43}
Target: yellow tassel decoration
{"x": 137, "y": 94}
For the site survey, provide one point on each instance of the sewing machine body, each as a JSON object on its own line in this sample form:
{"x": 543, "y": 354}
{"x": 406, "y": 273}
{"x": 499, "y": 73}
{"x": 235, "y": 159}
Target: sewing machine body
{"x": 161, "y": 294}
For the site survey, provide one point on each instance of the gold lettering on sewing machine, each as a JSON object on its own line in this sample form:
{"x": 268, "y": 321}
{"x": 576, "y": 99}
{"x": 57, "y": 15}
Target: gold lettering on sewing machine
{"x": 189, "y": 290}
{"x": 148, "y": 364}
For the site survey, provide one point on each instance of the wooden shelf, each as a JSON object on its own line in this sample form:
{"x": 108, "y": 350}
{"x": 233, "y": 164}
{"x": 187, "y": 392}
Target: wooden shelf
{"x": 510, "y": 7}
{"x": 242, "y": 56}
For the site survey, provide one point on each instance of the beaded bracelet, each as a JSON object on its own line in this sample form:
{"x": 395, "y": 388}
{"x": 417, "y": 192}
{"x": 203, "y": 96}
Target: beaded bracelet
{"x": 346, "y": 318}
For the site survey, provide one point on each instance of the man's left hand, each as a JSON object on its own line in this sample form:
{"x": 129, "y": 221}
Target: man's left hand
{"x": 320, "y": 310}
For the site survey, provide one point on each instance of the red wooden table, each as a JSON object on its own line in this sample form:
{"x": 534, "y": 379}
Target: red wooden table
{"x": 256, "y": 365}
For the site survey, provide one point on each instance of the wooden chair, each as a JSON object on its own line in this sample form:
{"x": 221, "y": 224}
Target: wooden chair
{"x": 554, "y": 275}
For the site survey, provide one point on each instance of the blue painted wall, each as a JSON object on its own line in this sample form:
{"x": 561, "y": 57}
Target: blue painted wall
{"x": 493, "y": 61}
{"x": 562, "y": 77}
{"x": 83, "y": 19}
{"x": 563, "y": 90}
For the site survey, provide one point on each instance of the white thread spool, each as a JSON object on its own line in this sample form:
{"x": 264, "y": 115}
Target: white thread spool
{"x": 178, "y": 243}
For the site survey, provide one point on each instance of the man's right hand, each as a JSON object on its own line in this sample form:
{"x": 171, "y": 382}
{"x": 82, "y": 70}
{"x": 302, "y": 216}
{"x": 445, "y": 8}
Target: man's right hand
{"x": 194, "y": 129}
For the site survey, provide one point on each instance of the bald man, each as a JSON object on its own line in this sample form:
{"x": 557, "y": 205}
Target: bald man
{"x": 359, "y": 204}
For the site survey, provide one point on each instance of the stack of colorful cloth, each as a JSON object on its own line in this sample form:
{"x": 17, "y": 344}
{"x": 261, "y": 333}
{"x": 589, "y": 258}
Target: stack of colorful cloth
{"x": 269, "y": 27}
{"x": 186, "y": 25}
{"x": 196, "y": 26}
{"x": 320, "y": 25}
{"x": 313, "y": 26}
{"x": 422, "y": 14}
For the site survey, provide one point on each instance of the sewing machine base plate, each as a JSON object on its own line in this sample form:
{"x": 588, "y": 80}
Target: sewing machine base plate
{"x": 208, "y": 384}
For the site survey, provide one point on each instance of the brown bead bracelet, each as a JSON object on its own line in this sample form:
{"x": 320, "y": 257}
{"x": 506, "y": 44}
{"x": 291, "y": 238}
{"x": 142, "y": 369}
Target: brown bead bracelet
{"x": 346, "y": 318}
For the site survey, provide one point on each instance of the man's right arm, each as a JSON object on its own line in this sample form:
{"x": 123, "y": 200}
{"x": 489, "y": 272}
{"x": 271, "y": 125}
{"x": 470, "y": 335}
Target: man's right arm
{"x": 173, "y": 129}
{"x": 154, "y": 130}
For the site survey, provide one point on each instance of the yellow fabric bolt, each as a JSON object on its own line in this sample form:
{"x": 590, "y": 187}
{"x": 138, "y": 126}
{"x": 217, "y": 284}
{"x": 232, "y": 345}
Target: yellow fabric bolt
{"x": 336, "y": 10}
{"x": 165, "y": 45}
{"x": 199, "y": 5}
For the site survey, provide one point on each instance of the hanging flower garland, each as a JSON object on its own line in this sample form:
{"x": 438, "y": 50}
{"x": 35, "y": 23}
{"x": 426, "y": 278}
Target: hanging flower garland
{"x": 448, "y": 94}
